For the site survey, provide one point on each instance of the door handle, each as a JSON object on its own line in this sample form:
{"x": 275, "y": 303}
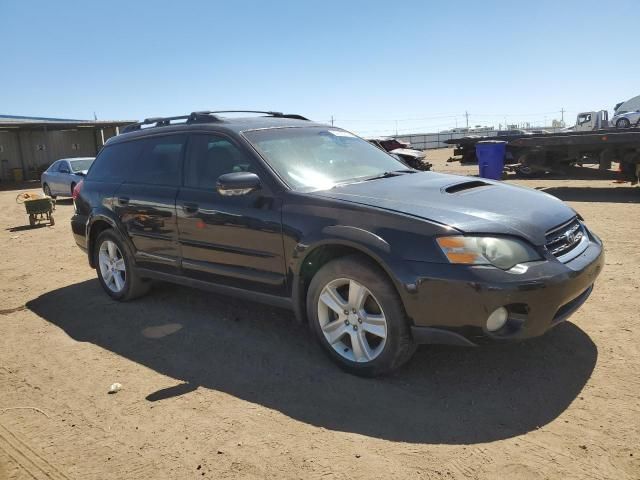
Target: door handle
{"x": 123, "y": 200}
{"x": 189, "y": 207}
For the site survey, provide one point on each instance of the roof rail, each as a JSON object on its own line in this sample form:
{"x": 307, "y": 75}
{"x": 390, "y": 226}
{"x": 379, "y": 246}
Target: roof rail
{"x": 268, "y": 112}
{"x": 203, "y": 116}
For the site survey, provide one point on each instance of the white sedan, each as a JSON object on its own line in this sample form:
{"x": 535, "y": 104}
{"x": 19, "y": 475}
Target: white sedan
{"x": 626, "y": 119}
{"x": 63, "y": 175}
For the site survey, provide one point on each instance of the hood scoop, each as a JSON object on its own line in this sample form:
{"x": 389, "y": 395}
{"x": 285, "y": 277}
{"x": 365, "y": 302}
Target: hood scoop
{"x": 464, "y": 186}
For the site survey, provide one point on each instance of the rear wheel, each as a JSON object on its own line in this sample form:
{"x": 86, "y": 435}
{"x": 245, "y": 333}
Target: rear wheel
{"x": 623, "y": 123}
{"x": 358, "y": 317}
{"x": 115, "y": 268}
{"x": 47, "y": 191}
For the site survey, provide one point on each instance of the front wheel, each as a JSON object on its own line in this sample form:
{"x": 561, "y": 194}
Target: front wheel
{"x": 623, "y": 123}
{"x": 115, "y": 268}
{"x": 358, "y": 317}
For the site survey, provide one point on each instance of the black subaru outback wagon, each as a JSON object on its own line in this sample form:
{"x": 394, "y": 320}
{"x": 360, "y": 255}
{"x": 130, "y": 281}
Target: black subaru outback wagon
{"x": 376, "y": 257}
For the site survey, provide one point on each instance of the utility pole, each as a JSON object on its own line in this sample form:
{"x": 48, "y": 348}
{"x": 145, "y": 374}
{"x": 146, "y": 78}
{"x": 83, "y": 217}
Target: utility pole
{"x": 332, "y": 120}
{"x": 562, "y": 114}
{"x": 396, "y": 128}
{"x": 466, "y": 114}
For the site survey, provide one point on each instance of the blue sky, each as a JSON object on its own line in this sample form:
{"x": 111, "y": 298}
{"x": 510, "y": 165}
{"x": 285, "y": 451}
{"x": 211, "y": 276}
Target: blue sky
{"x": 374, "y": 66}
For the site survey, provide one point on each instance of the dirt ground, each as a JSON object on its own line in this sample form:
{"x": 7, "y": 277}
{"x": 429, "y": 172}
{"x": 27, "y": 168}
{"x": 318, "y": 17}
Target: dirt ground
{"x": 218, "y": 388}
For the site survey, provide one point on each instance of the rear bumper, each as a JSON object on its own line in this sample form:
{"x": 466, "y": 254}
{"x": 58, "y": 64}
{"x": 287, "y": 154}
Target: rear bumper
{"x": 79, "y": 230}
{"x": 451, "y": 303}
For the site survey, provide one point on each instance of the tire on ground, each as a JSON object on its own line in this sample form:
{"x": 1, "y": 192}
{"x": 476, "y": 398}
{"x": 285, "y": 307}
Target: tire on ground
{"x": 134, "y": 285}
{"x": 399, "y": 346}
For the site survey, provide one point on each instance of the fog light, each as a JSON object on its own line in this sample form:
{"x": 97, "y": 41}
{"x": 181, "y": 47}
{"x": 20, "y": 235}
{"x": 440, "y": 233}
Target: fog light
{"x": 497, "y": 319}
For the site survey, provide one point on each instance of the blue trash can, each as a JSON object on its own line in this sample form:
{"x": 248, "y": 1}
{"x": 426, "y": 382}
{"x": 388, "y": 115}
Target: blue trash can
{"x": 490, "y": 155}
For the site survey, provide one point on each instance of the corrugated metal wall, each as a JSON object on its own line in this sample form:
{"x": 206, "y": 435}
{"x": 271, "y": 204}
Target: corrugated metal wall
{"x": 40, "y": 149}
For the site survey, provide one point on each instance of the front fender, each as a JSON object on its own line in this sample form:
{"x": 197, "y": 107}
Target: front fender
{"x": 355, "y": 239}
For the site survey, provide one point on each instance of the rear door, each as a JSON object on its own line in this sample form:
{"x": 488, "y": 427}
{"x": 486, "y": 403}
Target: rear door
{"x": 54, "y": 177}
{"x": 232, "y": 240}
{"x": 63, "y": 179}
{"x": 50, "y": 176}
{"x": 146, "y": 201}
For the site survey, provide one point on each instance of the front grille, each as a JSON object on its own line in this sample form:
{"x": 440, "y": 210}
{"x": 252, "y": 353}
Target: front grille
{"x": 561, "y": 240}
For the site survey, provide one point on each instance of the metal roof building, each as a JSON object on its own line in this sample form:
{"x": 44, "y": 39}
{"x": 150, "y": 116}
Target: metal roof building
{"x": 28, "y": 145}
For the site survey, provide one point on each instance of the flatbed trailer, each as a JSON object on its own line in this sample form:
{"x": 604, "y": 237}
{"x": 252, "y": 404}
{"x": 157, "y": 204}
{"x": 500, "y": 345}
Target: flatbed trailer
{"x": 552, "y": 152}
{"x": 465, "y": 148}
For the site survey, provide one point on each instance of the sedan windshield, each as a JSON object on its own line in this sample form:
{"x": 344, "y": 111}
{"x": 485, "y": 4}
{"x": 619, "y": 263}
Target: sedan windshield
{"x": 320, "y": 157}
{"x": 80, "y": 165}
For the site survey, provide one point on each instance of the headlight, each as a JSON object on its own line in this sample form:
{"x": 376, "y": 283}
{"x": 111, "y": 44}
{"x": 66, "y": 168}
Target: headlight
{"x": 501, "y": 252}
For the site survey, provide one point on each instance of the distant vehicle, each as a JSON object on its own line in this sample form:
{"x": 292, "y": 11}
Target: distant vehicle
{"x": 631, "y": 105}
{"x": 375, "y": 257}
{"x": 626, "y": 119}
{"x": 589, "y": 121}
{"x": 403, "y": 151}
{"x": 63, "y": 175}
{"x": 539, "y": 132}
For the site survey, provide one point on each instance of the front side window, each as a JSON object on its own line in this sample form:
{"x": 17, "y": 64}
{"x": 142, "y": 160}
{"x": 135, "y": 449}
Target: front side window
{"x": 584, "y": 118}
{"x": 210, "y": 156}
{"x": 63, "y": 167}
{"x": 311, "y": 158}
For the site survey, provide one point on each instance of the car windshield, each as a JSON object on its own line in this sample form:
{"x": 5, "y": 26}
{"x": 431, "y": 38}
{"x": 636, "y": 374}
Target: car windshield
{"x": 312, "y": 158}
{"x": 80, "y": 165}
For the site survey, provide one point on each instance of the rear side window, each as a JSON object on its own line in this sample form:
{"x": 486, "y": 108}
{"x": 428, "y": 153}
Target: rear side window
{"x": 112, "y": 162}
{"x": 160, "y": 161}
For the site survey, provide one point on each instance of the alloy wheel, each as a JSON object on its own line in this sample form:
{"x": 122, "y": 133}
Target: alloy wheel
{"x": 352, "y": 320}
{"x": 112, "y": 267}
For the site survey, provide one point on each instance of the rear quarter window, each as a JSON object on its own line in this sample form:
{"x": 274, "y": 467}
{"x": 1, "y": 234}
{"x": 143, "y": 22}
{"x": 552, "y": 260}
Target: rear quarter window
{"x": 112, "y": 163}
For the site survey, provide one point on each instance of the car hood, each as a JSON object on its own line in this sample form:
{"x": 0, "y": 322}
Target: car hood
{"x": 468, "y": 204}
{"x": 409, "y": 152}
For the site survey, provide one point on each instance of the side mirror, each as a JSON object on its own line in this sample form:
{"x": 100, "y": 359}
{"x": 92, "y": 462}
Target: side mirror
{"x": 237, "y": 183}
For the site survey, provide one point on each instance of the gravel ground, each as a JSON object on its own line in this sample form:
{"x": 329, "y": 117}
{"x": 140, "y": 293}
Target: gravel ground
{"x": 218, "y": 388}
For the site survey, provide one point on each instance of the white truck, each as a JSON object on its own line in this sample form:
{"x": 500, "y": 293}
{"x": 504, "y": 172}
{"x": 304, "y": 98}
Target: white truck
{"x": 590, "y": 121}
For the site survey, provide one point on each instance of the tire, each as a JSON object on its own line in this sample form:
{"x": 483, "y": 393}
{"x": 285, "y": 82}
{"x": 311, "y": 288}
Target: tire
{"x": 526, "y": 171}
{"x": 47, "y": 191}
{"x": 623, "y": 123}
{"x": 52, "y": 222}
{"x": 130, "y": 285}
{"x": 380, "y": 301}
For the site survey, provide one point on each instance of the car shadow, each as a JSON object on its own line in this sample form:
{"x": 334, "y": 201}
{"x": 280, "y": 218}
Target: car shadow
{"x": 595, "y": 194}
{"x": 259, "y": 354}
{"x": 22, "y": 228}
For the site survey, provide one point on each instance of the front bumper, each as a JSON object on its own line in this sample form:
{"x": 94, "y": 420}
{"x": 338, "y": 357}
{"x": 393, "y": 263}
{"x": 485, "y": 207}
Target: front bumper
{"x": 451, "y": 303}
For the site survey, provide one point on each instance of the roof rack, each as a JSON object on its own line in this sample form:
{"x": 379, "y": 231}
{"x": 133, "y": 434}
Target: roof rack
{"x": 294, "y": 116}
{"x": 203, "y": 116}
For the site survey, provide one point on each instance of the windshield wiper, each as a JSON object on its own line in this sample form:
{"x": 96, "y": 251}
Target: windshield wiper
{"x": 393, "y": 173}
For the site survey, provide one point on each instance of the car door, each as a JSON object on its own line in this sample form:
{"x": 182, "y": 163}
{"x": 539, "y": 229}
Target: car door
{"x": 231, "y": 240}
{"x": 63, "y": 179}
{"x": 49, "y": 176}
{"x": 145, "y": 202}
